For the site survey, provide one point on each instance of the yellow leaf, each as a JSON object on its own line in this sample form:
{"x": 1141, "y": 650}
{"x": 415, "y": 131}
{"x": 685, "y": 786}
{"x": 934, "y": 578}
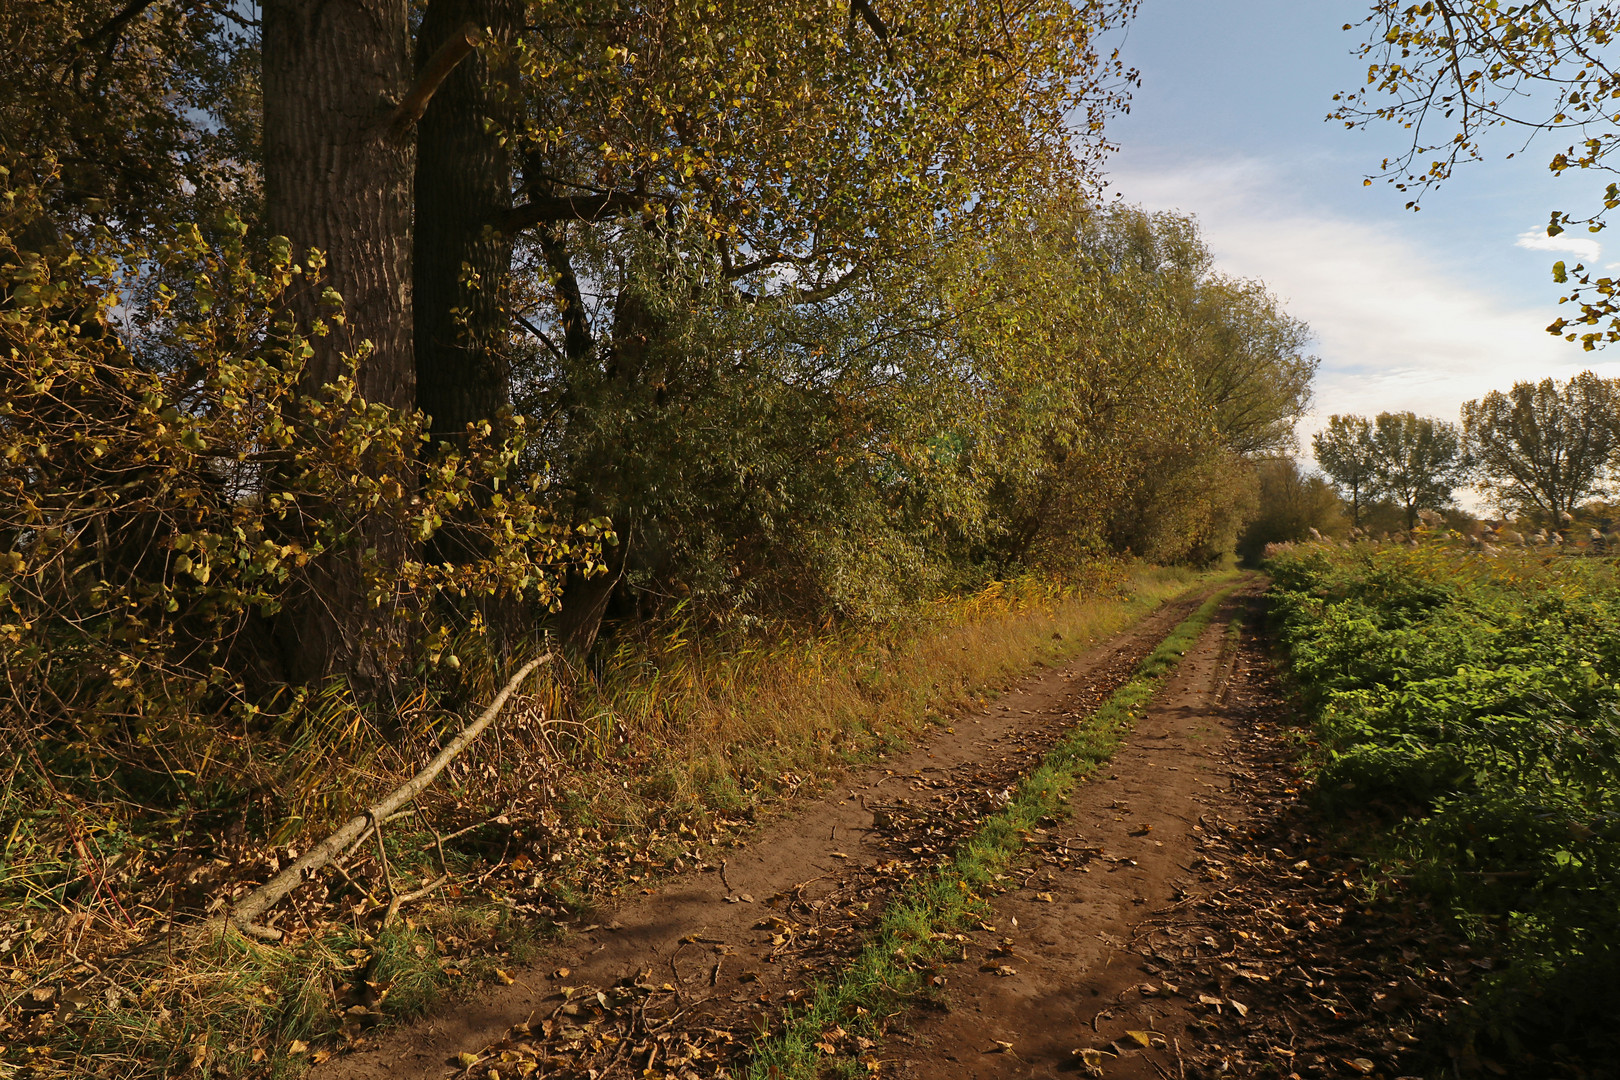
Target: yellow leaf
{"x": 1092, "y": 1060}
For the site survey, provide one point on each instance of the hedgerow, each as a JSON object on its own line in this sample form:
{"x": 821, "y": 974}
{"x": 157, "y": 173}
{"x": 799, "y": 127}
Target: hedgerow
{"x": 1470, "y": 703}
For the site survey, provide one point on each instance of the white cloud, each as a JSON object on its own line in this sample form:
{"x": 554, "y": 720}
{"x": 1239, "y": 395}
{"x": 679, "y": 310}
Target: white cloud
{"x": 1538, "y": 240}
{"x": 1397, "y": 326}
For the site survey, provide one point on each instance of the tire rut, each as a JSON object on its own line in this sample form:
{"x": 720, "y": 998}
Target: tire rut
{"x": 683, "y": 979}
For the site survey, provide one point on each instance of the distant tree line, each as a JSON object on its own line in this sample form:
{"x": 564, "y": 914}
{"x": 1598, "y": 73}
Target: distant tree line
{"x": 1540, "y": 452}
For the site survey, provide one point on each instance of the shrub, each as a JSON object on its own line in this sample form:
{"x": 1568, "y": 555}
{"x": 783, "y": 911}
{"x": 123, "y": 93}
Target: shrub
{"x": 1473, "y": 702}
{"x": 175, "y": 505}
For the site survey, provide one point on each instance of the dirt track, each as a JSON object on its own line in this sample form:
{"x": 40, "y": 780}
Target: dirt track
{"x": 1181, "y": 922}
{"x": 1067, "y": 931}
{"x": 827, "y": 850}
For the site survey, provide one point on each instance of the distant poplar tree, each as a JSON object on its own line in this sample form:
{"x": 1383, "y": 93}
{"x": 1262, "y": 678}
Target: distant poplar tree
{"x": 1345, "y": 452}
{"x": 1543, "y": 448}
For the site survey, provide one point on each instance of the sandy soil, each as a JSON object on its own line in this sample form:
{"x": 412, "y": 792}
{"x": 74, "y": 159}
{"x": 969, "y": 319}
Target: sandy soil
{"x": 1058, "y": 973}
{"x": 1186, "y": 920}
{"x": 1182, "y": 921}
{"x": 718, "y": 949}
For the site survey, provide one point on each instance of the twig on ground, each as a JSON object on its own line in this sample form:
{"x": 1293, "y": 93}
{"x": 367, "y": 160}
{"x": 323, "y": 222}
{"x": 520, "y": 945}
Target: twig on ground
{"x": 262, "y": 899}
{"x": 400, "y": 899}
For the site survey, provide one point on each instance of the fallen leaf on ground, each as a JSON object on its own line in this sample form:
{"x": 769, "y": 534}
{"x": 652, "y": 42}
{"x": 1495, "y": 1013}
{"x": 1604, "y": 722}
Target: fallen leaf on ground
{"x": 1092, "y": 1060}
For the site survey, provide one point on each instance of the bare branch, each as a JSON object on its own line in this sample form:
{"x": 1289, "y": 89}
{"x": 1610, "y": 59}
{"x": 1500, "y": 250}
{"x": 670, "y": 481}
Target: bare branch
{"x": 266, "y": 896}
{"x": 113, "y": 26}
{"x": 456, "y": 48}
{"x": 544, "y": 211}
{"x": 830, "y": 289}
{"x": 863, "y": 8}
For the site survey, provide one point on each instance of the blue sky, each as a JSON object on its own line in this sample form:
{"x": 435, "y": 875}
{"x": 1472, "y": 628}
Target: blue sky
{"x": 1411, "y": 310}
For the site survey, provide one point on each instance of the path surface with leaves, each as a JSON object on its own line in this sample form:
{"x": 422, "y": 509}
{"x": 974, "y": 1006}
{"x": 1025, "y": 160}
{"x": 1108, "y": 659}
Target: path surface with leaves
{"x": 1183, "y": 920}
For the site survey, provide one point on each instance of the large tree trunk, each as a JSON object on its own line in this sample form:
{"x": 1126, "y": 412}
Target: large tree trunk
{"x": 463, "y": 187}
{"x": 338, "y": 175}
{"x": 338, "y": 178}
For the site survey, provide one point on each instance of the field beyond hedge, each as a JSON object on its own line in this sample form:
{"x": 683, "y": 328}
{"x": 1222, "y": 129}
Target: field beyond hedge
{"x": 1464, "y": 710}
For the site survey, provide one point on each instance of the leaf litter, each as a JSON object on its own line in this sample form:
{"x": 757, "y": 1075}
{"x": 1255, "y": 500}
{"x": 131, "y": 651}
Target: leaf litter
{"x": 701, "y": 1017}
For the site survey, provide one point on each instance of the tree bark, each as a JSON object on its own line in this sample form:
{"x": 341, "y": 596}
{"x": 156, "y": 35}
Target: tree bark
{"x": 338, "y": 178}
{"x": 584, "y": 600}
{"x": 463, "y": 253}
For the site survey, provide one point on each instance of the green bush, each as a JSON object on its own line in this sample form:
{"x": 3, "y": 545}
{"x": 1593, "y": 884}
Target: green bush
{"x": 176, "y": 505}
{"x": 1474, "y": 702}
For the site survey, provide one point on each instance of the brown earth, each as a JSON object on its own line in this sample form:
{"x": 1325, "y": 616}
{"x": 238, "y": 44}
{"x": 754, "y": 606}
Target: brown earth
{"x": 1183, "y": 921}
{"x": 692, "y": 968}
{"x": 1211, "y": 934}
{"x": 1053, "y": 971}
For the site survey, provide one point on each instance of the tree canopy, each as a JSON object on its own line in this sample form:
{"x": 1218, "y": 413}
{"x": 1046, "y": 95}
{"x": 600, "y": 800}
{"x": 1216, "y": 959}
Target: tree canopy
{"x": 427, "y": 331}
{"x": 1541, "y": 449}
{"x": 1415, "y": 461}
{"x": 1344, "y": 450}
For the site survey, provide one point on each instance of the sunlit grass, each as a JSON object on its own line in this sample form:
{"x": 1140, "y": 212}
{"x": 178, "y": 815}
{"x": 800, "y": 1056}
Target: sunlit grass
{"x": 676, "y": 731}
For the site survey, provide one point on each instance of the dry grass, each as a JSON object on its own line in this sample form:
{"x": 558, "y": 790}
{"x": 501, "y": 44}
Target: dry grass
{"x": 720, "y": 722}
{"x": 591, "y": 785}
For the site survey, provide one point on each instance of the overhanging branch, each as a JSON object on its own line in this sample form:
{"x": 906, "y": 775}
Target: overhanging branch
{"x": 830, "y": 289}
{"x": 864, "y": 9}
{"x": 456, "y": 48}
{"x": 113, "y": 26}
{"x": 544, "y": 211}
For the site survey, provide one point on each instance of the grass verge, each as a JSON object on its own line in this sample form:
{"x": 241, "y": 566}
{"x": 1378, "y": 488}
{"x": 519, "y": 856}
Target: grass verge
{"x": 673, "y": 748}
{"x": 916, "y": 929}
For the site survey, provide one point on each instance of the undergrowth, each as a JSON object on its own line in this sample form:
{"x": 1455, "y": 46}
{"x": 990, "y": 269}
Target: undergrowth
{"x": 1465, "y": 710}
{"x": 595, "y": 783}
{"x": 919, "y": 928}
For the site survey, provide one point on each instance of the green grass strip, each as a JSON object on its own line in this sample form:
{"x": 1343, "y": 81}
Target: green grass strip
{"x": 916, "y": 927}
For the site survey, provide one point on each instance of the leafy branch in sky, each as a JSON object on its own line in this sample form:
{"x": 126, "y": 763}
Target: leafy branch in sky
{"x": 1451, "y": 72}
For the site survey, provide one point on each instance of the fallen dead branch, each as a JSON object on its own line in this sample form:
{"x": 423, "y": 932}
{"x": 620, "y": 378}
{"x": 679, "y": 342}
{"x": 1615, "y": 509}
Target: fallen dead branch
{"x": 245, "y": 915}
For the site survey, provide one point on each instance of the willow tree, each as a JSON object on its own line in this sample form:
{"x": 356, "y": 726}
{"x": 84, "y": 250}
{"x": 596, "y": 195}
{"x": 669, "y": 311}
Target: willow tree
{"x": 558, "y": 199}
{"x": 798, "y": 152}
{"x": 1132, "y": 386}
